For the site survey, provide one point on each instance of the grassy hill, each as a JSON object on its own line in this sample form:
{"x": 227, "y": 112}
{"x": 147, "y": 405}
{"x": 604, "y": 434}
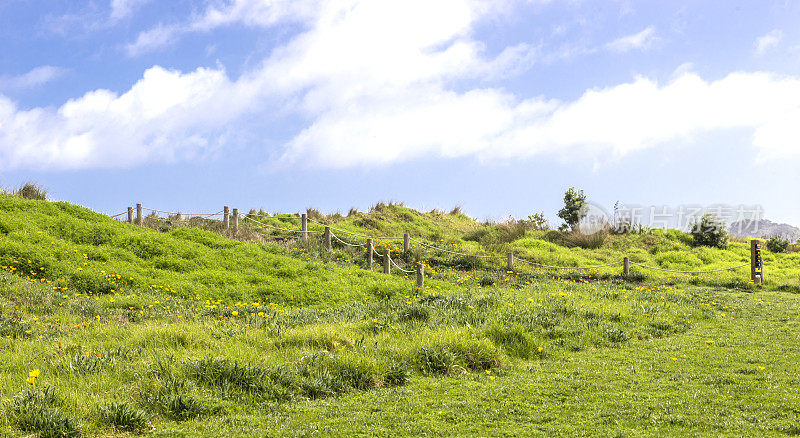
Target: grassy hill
{"x": 109, "y": 328}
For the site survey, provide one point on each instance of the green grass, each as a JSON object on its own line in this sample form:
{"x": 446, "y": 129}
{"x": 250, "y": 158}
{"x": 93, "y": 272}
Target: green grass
{"x": 291, "y": 340}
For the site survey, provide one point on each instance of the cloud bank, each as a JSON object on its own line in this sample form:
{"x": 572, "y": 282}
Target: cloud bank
{"x": 385, "y": 83}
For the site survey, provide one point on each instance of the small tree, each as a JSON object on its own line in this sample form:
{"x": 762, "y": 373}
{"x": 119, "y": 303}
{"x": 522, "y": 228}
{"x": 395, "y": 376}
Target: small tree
{"x": 777, "y": 244}
{"x": 709, "y": 231}
{"x": 574, "y": 208}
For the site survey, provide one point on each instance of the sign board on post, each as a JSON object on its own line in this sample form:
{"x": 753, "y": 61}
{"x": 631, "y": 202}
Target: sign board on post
{"x": 756, "y": 264}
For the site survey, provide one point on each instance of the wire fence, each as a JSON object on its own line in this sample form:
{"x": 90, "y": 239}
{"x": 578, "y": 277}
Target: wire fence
{"x": 177, "y": 217}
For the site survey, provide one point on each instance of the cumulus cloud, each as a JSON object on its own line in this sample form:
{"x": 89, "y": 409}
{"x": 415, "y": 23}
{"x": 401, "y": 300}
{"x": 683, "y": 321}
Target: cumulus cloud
{"x": 491, "y": 124}
{"x": 381, "y": 84}
{"x": 34, "y": 78}
{"x": 639, "y": 41}
{"x": 768, "y": 41}
{"x": 165, "y": 116}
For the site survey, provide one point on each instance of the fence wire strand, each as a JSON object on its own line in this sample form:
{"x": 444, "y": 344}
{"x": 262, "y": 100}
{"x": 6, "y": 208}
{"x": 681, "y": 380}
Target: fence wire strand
{"x": 346, "y": 243}
{"x": 566, "y": 267}
{"x": 689, "y": 272}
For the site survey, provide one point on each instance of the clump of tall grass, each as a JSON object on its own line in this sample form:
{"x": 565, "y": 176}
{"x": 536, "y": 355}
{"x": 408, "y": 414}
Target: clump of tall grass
{"x": 12, "y": 325}
{"x": 177, "y": 407}
{"x": 458, "y": 356}
{"x": 32, "y": 190}
{"x": 39, "y": 410}
{"x": 122, "y": 416}
{"x": 585, "y": 241}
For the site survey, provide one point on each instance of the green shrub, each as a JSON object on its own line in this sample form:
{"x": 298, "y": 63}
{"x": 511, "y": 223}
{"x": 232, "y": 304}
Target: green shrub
{"x": 709, "y": 231}
{"x": 777, "y": 244}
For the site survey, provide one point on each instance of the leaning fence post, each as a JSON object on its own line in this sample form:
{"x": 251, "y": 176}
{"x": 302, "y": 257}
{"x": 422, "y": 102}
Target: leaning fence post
{"x": 626, "y": 267}
{"x": 139, "y": 217}
{"x": 511, "y": 261}
{"x": 405, "y": 243}
{"x": 387, "y": 269}
{"x": 130, "y": 215}
{"x": 420, "y": 275}
{"x": 235, "y": 220}
{"x": 226, "y": 217}
{"x": 328, "y": 238}
{"x": 370, "y": 248}
{"x": 756, "y": 264}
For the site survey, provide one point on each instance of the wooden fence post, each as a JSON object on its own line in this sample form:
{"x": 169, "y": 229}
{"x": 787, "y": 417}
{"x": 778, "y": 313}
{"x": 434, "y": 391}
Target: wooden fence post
{"x": 511, "y": 261}
{"x": 370, "y": 248}
{"x": 139, "y": 217}
{"x": 304, "y": 226}
{"x": 756, "y": 264}
{"x": 405, "y": 243}
{"x": 130, "y": 215}
{"x": 235, "y": 220}
{"x": 420, "y": 275}
{"x": 226, "y": 217}
{"x": 387, "y": 268}
{"x": 626, "y": 267}
{"x": 328, "y": 238}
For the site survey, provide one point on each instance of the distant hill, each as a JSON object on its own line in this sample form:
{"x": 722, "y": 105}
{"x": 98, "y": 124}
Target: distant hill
{"x": 764, "y": 227}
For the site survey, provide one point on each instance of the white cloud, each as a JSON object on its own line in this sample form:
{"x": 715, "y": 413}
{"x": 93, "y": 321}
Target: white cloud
{"x": 254, "y": 13}
{"x": 613, "y": 121}
{"x": 385, "y": 83}
{"x": 157, "y": 37}
{"x": 34, "y": 78}
{"x": 768, "y": 41}
{"x": 638, "y": 41}
{"x": 121, "y": 9}
{"x": 165, "y": 116}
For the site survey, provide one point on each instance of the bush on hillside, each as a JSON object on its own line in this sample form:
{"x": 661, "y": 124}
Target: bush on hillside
{"x": 508, "y": 231}
{"x": 709, "y": 231}
{"x": 777, "y": 244}
{"x": 31, "y": 190}
{"x": 585, "y": 241}
{"x": 574, "y": 208}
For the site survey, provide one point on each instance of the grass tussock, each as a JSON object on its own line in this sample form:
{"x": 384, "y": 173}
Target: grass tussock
{"x": 32, "y": 190}
{"x": 40, "y": 410}
{"x": 123, "y": 417}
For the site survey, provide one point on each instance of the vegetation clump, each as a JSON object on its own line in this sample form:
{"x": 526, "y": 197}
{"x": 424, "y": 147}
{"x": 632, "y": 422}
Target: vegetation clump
{"x": 574, "y": 209}
{"x": 777, "y": 244}
{"x": 709, "y": 231}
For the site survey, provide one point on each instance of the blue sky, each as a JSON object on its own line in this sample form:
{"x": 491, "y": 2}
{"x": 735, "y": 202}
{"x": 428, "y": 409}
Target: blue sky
{"x": 495, "y": 106}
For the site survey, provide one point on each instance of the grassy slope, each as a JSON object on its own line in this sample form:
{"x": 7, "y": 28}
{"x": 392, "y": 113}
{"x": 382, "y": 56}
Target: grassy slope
{"x": 606, "y": 362}
{"x": 75, "y": 248}
{"x": 662, "y": 249}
